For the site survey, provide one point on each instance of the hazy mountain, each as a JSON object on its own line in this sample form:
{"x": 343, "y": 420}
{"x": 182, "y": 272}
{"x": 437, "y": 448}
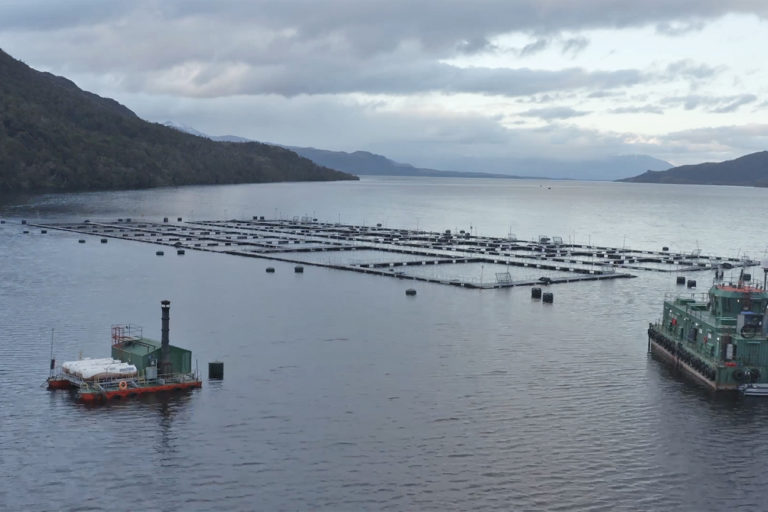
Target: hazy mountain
{"x": 57, "y": 137}
{"x": 607, "y": 168}
{"x": 217, "y": 138}
{"x": 748, "y": 170}
{"x": 365, "y": 163}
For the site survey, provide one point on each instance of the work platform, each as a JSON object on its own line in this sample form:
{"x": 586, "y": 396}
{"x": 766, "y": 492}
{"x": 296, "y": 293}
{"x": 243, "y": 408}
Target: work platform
{"x": 458, "y": 259}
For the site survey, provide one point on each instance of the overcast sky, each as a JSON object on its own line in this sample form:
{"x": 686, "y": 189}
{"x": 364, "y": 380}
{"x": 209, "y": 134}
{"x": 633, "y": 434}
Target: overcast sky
{"x": 425, "y": 82}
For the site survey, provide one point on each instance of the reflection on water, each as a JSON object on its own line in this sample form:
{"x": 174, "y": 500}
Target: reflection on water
{"x": 342, "y": 394}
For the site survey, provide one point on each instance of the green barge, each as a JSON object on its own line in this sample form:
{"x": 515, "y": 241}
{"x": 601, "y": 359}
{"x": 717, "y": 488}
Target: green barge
{"x": 138, "y": 366}
{"x": 718, "y": 338}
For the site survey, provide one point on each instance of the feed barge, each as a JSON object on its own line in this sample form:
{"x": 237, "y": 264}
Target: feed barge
{"x": 720, "y": 338}
{"x": 138, "y": 366}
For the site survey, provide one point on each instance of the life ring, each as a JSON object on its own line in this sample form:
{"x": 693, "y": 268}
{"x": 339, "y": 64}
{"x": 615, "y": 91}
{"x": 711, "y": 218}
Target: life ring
{"x": 749, "y": 331}
{"x": 123, "y": 385}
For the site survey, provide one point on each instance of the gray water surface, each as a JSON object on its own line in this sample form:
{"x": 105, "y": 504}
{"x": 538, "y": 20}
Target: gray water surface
{"x": 341, "y": 393}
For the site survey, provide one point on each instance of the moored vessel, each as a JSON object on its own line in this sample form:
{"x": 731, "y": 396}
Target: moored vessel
{"x": 718, "y": 338}
{"x": 138, "y": 366}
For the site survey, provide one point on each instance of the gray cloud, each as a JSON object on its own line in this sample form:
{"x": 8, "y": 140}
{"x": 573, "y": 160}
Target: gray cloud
{"x": 553, "y": 113}
{"x": 430, "y": 21}
{"x": 642, "y": 109}
{"x": 735, "y": 103}
{"x": 534, "y": 47}
{"x": 476, "y": 45}
{"x": 574, "y": 45}
{"x": 360, "y": 29}
{"x": 201, "y": 48}
{"x": 269, "y": 69}
{"x": 691, "y": 70}
{"x": 712, "y": 144}
{"x": 679, "y": 28}
{"x": 380, "y": 76}
{"x": 714, "y": 104}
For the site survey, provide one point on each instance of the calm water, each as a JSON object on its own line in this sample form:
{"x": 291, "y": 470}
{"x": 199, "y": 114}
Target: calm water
{"x": 343, "y": 394}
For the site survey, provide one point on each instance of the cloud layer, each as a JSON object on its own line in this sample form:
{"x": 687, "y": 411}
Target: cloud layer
{"x": 466, "y": 79}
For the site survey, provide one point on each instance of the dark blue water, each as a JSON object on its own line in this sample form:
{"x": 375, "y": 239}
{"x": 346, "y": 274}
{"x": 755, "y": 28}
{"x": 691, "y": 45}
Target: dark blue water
{"x": 341, "y": 393}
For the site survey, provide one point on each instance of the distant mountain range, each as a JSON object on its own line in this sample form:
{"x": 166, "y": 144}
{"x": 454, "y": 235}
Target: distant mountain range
{"x": 366, "y": 163}
{"x": 749, "y": 170}
{"x": 57, "y": 137}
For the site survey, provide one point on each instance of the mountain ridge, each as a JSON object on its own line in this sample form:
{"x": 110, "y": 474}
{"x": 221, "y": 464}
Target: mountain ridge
{"x": 56, "y": 137}
{"x": 362, "y": 163}
{"x": 748, "y": 170}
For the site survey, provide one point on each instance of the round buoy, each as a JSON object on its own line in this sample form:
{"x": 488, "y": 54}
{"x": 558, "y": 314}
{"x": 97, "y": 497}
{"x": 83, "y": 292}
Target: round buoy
{"x": 271, "y": 270}
{"x": 178, "y": 219}
{"x": 159, "y": 253}
{"x": 535, "y": 293}
{"x": 665, "y": 248}
{"x": 410, "y": 292}
{"x": 548, "y": 298}
{"x": 180, "y": 252}
{"x": 680, "y": 279}
{"x": 299, "y": 269}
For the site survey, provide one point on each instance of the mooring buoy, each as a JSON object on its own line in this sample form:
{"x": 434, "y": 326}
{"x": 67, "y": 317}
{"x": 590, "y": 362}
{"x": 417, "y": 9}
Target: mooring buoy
{"x": 410, "y": 292}
{"x": 548, "y": 298}
{"x": 216, "y": 370}
{"x": 271, "y": 270}
{"x": 535, "y": 293}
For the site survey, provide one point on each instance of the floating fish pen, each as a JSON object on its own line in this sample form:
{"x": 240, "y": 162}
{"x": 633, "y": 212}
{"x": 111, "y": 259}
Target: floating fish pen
{"x": 459, "y": 259}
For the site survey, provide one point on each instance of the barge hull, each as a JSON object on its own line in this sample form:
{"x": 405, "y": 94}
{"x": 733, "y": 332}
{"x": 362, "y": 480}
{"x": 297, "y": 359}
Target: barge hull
{"x": 97, "y": 396}
{"x": 671, "y": 358}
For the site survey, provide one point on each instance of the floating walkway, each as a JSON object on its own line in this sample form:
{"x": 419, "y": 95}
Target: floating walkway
{"x": 457, "y": 259}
